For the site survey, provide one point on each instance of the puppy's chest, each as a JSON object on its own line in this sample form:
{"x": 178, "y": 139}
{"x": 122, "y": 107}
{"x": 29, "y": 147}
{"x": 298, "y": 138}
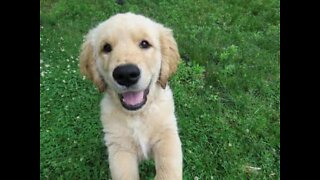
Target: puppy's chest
{"x": 141, "y": 136}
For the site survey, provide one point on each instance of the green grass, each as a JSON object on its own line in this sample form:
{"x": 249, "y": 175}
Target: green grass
{"x": 227, "y": 96}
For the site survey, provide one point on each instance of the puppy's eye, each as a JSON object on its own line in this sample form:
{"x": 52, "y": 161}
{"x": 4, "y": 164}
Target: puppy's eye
{"x": 144, "y": 44}
{"x": 107, "y": 48}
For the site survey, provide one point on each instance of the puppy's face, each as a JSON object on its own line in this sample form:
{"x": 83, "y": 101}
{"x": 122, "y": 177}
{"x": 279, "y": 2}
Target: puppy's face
{"x": 127, "y": 55}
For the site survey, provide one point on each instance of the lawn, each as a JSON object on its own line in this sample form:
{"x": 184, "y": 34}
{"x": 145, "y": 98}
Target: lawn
{"x": 227, "y": 93}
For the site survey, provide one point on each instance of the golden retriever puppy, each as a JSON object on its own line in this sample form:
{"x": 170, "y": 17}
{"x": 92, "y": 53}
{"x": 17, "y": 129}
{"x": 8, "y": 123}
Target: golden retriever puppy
{"x": 130, "y": 58}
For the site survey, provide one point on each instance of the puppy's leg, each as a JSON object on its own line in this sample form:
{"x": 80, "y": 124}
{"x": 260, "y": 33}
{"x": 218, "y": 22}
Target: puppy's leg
{"x": 168, "y": 157}
{"x": 123, "y": 164}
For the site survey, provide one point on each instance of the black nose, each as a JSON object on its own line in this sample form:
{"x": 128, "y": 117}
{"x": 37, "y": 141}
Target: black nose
{"x": 126, "y": 75}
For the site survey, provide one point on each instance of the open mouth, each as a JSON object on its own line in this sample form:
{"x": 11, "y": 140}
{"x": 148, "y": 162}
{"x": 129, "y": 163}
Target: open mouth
{"x": 134, "y": 100}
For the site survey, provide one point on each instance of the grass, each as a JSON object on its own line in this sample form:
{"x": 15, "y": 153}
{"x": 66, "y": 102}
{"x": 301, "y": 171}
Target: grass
{"x": 226, "y": 95}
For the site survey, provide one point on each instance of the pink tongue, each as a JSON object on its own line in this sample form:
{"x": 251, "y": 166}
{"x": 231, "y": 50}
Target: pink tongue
{"x": 133, "y": 98}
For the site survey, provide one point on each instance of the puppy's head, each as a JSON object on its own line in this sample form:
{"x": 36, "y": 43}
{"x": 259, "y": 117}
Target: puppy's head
{"x": 129, "y": 55}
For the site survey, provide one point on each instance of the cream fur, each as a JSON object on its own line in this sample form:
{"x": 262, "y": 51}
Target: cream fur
{"x": 151, "y": 131}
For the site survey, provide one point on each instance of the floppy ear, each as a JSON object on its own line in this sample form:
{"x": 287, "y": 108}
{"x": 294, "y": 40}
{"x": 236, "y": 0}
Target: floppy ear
{"x": 88, "y": 65}
{"x": 170, "y": 56}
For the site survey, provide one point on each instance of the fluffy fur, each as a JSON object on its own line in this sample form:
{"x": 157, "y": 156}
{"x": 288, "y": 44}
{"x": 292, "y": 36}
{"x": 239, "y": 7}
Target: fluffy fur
{"x": 150, "y": 131}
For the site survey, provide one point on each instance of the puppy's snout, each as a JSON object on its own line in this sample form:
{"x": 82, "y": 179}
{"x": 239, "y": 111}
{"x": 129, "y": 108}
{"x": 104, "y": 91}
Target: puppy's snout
{"x": 126, "y": 75}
